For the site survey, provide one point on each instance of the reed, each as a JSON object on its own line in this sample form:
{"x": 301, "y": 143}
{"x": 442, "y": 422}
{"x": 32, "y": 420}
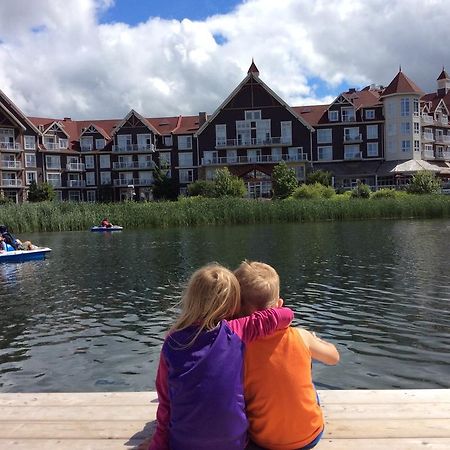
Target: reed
{"x": 29, "y": 217}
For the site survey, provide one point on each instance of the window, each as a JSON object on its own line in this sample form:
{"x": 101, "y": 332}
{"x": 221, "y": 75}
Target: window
{"x": 63, "y": 143}
{"x": 221, "y": 134}
{"x": 372, "y": 149}
{"x": 416, "y": 145}
{"x": 185, "y": 159}
{"x": 100, "y": 144}
{"x": 90, "y": 196}
{"x": 333, "y": 116}
{"x": 168, "y": 141}
{"x": 90, "y": 178}
{"x": 416, "y": 128}
{"x": 53, "y": 162}
{"x": 74, "y": 196}
{"x": 286, "y": 132}
{"x": 186, "y": 175}
{"x": 405, "y": 128}
{"x": 324, "y": 136}
{"x": 325, "y": 153}
{"x": 352, "y": 152}
{"x": 372, "y": 131}
{"x": 30, "y": 160}
{"x": 404, "y": 107}
{"x": 232, "y": 156}
{"x": 406, "y": 146}
{"x": 105, "y": 177}
{"x": 184, "y": 142}
{"x": 243, "y": 132}
{"x": 89, "y": 162}
{"x": 105, "y": 162}
{"x": 416, "y": 107}
{"x": 54, "y": 179}
{"x": 370, "y": 114}
{"x": 276, "y": 154}
{"x": 252, "y": 115}
{"x": 144, "y": 141}
{"x": 211, "y": 157}
{"x": 351, "y": 134}
{"x": 86, "y": 143}
{"x": 164, "y": 159}
{"x": 299, "y": 172}
{"x": 348, "y": 114}
{"x": 30, "y": 142}
{"x": 296, "y": 154}
{"x": 30, "y": 177}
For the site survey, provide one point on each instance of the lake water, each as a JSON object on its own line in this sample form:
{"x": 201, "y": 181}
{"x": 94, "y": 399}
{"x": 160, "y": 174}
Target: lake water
{"x": 92, "y": 316}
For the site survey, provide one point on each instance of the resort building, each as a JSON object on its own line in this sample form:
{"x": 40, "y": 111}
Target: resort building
{"x": 378, "y": 135}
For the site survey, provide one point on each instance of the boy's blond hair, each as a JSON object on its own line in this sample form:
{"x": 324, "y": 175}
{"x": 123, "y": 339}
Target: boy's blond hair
{"x": 260, "y": 286}
{"x": 212, "y": 294}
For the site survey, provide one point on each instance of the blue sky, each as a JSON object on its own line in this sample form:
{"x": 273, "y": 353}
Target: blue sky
{"x": 136, "y": 11}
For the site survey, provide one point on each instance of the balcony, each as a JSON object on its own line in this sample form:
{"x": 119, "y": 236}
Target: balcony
{"x": 11, "y": 165}
{"x": 353, "y": 156}
{"x": 442, "y": 120}
{"x": 75, "y": 167}
{"x": 352, "y": 138}
{"x": 87, "y": 148}
{"x": 443, "y": 155}
{"x": 427, "y": 154}
{"x": 443, "y": 138}
{"x": 270, "y": 159}
{"x": 11, "y": 182}
{"x": 55, "y": 183}
{"x": 253, "y": 142}
{"x": 10, "y": 146}
{"x": 428, "y": 137}
{"x": 53, "y": 166}
{"x": 76, "y": 183}
{"x": 426, "y": 119}
{"x": 138, "y": 165}
{"x": 350, "y": 118}
{"x": 125, "y": 182}
{"x": 129, "y": 148}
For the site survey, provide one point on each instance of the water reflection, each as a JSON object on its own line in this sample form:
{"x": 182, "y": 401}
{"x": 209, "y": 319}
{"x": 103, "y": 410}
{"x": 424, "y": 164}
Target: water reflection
{"x": 93, "y": 315}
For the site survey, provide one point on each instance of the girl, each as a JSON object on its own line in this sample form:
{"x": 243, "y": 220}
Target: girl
{"x": 199, "y": 380}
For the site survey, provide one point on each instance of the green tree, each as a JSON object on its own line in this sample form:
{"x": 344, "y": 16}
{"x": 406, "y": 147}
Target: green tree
{"x": 319, "y": 176}
{"x": 228, "y": 185}
{"x": 205, "y": 188}
{"x": 361, "y": 191}
{"x": 41, "y": 192}
{"x": 284, "y": 181}
{"x": 425, "y": 182}
{"x": 164, "y": 187}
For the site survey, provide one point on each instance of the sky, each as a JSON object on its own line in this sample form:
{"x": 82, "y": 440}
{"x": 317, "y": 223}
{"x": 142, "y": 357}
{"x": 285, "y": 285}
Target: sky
{"x": 94, "y": 59}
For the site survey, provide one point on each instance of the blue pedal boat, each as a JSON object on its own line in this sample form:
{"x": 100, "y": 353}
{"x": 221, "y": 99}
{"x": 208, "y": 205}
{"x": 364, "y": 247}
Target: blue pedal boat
{"x": 18, "y": 256}
{"x": 107, "y": 229}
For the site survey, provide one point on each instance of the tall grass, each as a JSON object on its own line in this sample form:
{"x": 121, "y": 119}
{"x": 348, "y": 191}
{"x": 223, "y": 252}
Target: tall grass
{"x": 29, "y": 217}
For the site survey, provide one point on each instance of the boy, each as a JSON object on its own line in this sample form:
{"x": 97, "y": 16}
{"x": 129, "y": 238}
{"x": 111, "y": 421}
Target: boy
{"x": 281, "y": 402}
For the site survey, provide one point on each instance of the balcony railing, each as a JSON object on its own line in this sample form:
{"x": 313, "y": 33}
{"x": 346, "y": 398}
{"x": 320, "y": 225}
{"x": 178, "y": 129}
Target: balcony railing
{"x": 10, "y": 146}
{"x": 352, "y": 137}
{"x": 428, "y": 137}
{"x": 443, "y": 155}
{"x": 75, "y": 167}
{"x": 442, "y": 120}
{"x": 126, "y": 148}
{"x": 427, "y": 154}
{"x": 134, "y": 165}
{"x": 14, "y": 165}
{"x": 352, "y": 156}
{"x": 124, "y": 182}
{"x": 350, "y": 118}
{"x": 253, "y": 142}
{"x": 53, "y": 166}
{"x": 443, "y": 138}
{"x": 427, "y": 119}
{"x": 253, "y": 159}
{"x": 77, "y": 183}
{"x": 87, "y": 148}
{"x": 12, "y": 182}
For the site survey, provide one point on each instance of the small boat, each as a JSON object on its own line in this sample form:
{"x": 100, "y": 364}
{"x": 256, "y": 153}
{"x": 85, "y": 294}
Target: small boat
{"x": 113, "y": 228}
{"x": 24, "y": 255}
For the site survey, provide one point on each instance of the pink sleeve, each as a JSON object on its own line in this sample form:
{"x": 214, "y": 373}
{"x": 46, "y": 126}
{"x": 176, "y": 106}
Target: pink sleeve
{"x": 261, "y": 323}
{"x": 160, "y": 439}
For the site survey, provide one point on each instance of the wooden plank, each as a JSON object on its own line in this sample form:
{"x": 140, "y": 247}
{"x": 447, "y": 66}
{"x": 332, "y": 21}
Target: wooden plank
{"x": 72, "y": 444}
{"x": 391, "y": 444}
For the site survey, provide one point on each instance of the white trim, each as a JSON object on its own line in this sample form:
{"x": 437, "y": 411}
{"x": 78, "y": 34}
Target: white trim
{"x": 59, "y": 125}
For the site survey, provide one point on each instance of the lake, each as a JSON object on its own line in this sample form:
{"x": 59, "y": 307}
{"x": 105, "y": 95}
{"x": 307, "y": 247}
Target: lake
{"x": 93, "y": 315}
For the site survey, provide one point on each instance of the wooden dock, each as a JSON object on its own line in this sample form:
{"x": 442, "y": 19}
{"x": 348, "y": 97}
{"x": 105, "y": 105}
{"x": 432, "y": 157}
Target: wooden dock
{"x": 355, "y": 420}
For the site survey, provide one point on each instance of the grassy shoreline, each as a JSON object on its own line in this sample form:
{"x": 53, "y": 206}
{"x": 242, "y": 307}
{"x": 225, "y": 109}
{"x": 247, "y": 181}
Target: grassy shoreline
{"x": 71, "y": 216}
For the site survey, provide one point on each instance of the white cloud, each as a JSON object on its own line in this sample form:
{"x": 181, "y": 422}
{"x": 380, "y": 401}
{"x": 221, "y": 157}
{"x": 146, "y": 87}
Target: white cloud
{"x": 56, "y": 59}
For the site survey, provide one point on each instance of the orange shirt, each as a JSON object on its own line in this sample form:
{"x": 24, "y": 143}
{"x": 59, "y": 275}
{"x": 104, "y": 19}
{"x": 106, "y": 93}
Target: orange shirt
{"x": 280, "y": 398}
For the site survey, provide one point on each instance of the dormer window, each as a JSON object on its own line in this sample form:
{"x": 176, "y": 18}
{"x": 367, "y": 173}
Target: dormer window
{"x": 333, "y": 116}
{"x": 348, "y": 115}
{"x": 370, "y": 114}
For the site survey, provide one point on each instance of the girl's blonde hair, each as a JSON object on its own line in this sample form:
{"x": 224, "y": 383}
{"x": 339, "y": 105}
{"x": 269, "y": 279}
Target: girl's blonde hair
{"x": 212, "y": 294}
{"x": 260, "y": 286}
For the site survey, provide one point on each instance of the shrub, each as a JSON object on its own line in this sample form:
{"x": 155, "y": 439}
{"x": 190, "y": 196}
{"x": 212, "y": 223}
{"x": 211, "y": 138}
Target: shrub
{"x": 315, "y": 190}
{"x": 228, "y": 185}
{"x": 319, "y": 176}
{"x": 361, "y": 191}
{"x": 425, "y": 182}
{"x": 284, "y": 181}
{"x": 41, "y": 193}
{"x": 385, "y": 193}
{"x": 203, "y": 188}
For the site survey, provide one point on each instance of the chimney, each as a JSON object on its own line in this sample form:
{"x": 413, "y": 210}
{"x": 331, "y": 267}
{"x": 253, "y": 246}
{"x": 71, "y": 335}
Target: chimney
{"x": 67, "y": 118}
{"x": 351, "y": 90}
{"x": 202, "y": 117}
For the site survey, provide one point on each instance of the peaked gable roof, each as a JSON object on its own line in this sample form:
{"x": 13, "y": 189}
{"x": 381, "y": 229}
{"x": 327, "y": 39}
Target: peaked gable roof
{"x": 138, "y": 116}
{"x": 59, "y": 125}
{"x": 18, "y": 113}
{"x": 253, "y": 68}
{"x": 401, "y": 84}
{"x": 94, "y": 126}
{"x": 256, "y": 78}
{"x": 443, "y": 75}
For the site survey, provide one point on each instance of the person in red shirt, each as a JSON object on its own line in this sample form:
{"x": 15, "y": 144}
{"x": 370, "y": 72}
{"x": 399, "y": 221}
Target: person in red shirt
{"x": 106, "y": 223}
